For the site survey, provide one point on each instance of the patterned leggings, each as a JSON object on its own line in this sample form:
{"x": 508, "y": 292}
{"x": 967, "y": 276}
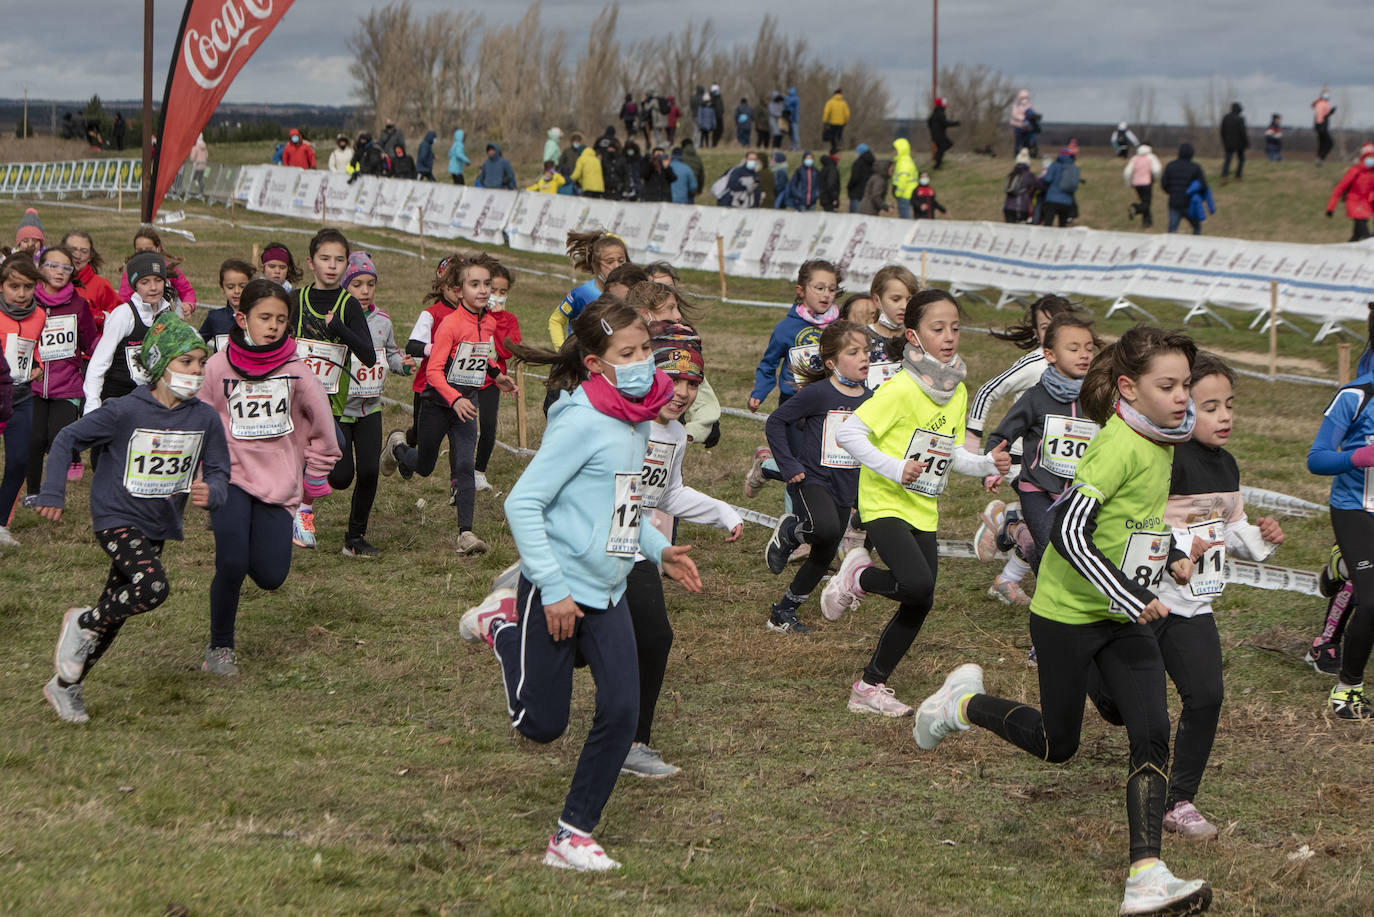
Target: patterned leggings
{"x": 136, "y": 584}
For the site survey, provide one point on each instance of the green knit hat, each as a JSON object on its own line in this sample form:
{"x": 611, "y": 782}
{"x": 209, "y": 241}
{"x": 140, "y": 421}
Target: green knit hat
{"x": 168, "y": 338}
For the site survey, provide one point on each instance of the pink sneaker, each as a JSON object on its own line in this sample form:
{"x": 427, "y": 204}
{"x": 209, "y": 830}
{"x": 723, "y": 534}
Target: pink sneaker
{"x": 754, "y": 479}
{"x": 1186, "y": 820}
{"x": 578, "y": 852}
{"x": 842, "y": 593}
{"x": 475, "y": 624}
{"x": 1008, "y": 592}
{"x": 985, "y": 543}
{"x": 75, "y": 471}
{"x": 879, "y": 699}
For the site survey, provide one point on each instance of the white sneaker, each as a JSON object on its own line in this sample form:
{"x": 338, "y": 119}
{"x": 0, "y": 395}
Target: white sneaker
{"x": 842, "y": 593}
{"x": 879, "y": 699}
{"x": 1156, "y": 891}
{"x": 66, "y": 701}
{"x": 579, "y": 852}
{"x": 475, "y": 624}
{"x": 469, "y": 544}
{"x": 6, "y": 539}
{"x": 938, "y": 715}
{"x": 643, "y": 761}
{"x": 74, "y": 645}
{"x": 480, "y": 479}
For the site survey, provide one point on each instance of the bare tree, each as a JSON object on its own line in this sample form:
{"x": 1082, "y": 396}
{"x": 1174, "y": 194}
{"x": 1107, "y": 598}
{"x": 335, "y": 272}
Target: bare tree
{"x": 1141, "y": 111}
{"x": 379, "y": 67}
{"x": 442, "y": 86}
{"x": 979, "y": 98}
{"x": 598, "y": 71}
{"x": 1339, "y": 122}
{"x": 523, "y": 78}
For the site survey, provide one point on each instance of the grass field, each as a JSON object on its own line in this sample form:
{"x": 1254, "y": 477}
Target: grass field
{"x": 363, "y": 763}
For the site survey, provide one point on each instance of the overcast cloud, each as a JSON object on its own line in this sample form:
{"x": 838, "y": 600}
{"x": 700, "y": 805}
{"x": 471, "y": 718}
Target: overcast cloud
{"x": 1080, "y": 58}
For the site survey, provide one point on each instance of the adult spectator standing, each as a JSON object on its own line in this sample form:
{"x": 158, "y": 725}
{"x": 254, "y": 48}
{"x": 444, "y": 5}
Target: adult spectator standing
{"x": 780, "y": 180}
{"x": 1357, "y": 187}
{"x": 402, "y": 163}
{"x": 939, "y": 124}
{"x": 1141, "y": 172}
{"x": 391, "y": 136}
{"x": 298, "y": 153}
{"x": 830, "y": 184}
{"x": 658, "y": 176}
{"x": 744, "y": 122}
{"x": 685, "y": 184}
{"x": 496, "y": 171}
{"x": 672, "y": 118}
{"x": 634, "y": 172}
{"x": 341, "y": 156}
{"x": 777, "y": 120}
{"x": 567, "y": 160}
{"x": 740, "y": 186}
{"x": 718, "y": 103}
{"x": 1061, "y": 183}
{"x": 657, "y": 120}
{"x": 629, "y": 114}
{"x": 1176, "y": 180}
{"x": 1123, "y": 141}
{"x": 834, "y": 116}
{"x": 424, "y": 157}
{"x": 874, "y": 201}
{"x": 693, "y": 160}
{"x": 1234, "y": 140}
{"x": 587, "y": 174}
{"x": 858, "y": 176}
{"x": 367, "y": 158}
{"x": 200, "y": 161}
{"x": 1322, "y": 110}
{"x": 793, "y": 106}
{"x": 646, "y": 106}
{"x": 805, "y": 187}
{"x": 1021, "y": 125}
{"x": 1273, "y": 138}
{"x": 458, "y": 157}
{"x": 763, "y": 130}
{"x": 1019, "y": 188}
{"x": 614, "y": 170}
{"x": 903, "y": 177}
{"x": 121, "y": 128}
{"x": 705, "y": 118}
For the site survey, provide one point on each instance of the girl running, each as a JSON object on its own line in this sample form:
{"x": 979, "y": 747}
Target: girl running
{"x": 1344, "y": 450}
{"x": 21, "y": 327}
{"x": 576, "y": 517}
{"x": 148, "y": 240}
{"x": 822, "y": 478}
{"x": 506, "y": 333}
{"x": 96, "y": 290}
{"x": 114, "y": 369}
{"x": 656, "y": 301}
{"x": 891, "y": 290}
{"x": 595, "y": 252}
{"x": 907, "y": 437}
{"x": 279, "y": 267}
{"x": 460, "y": 365}
{"x": 419, "y": 344}
{"x": 233, "y": 277}
{"x": 161, "y": 443}
{"x": 282, "y": 445}
{"x": 1109, "y": 550}
{"x": 361, "y": 423}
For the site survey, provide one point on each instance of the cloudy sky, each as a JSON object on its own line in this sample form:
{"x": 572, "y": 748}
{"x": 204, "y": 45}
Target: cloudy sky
{"x": 1081, "y": 58}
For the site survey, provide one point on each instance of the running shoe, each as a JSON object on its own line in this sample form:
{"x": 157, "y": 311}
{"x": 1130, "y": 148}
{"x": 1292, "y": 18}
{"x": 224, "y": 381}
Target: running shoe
{"x": 1333, "y": 573}
{"x": 480, "y": 478}
{"x": 990, "y": 522}
{"x": 389, "y": 463}
{"x": 1157, "y": 891}
{"x": 303, "y": 528}
{"x": 842, "y": 593}
{"x": 1186, "y": 820}
{"x": 358, "y": 547}
{"x": 1008, "y": 592}
{"x": 643, "y": 761}
{"x": 6, "y": 539}
{"x": 1350, "y": 704}
{"x": 754, "y": 479}
{"x": 938, "y": 716}
{"x": 74, "y": 471}
{"x": 74, "y": 645}
{"x": 66, "y": 701}
{"x": 1010, "y": 519}
{"x": 469, "y": 544}
{"x": 785, "y": 621}
{"x": 782, "y": 544}
{"x": 1325, "y": 658}
{"x": 497, "y": 608}
{"x": 879, "y": 699}
{"x": 507, "y": 578}
{"x": 577, "y": 852}
{"x": 220, "y": 660}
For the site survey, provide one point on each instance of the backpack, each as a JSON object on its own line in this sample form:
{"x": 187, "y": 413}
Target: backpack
{"x": 663, "y": 106}
{"x": 721, "y": 185}
{"x": 1016, "y": 183}
{"x": 1068, "y": 178}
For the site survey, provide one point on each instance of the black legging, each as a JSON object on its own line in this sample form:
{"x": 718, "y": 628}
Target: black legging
{"x": 1354, "y": 530}
{"x": 1039, "y": 519}
{"x": 488, "y": 407}
{"x": 252, "y": 538}
{"x": 1191, "y": 648}
{"x": 912, "y": 557}
{"x": 1324, "y": 142}
{"x": 50, "y": 415}
{"x": 436, "y": 423}
{"x": 1240, "y": 163}
{"x": 1128, "y": 659}
{"x": 820, "y": 523}
{"x": 653, "y": 639}
{"x": 361, "y": 444}
{"x": 1145, "y": 193}
{"x": 136, "y": 584}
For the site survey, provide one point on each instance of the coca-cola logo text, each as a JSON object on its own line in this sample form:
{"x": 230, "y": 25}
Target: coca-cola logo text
{"x": 208, "y": 54}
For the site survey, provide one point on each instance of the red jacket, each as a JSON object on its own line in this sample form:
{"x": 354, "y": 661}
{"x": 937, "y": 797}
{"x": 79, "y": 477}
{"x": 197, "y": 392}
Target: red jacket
{"x": 1357, "y": 187}
{"x": 301, "y": 155}
{"x": 97, "y": 291}
{"x": 460, "y": 326}
{"x": 507, "y": 329}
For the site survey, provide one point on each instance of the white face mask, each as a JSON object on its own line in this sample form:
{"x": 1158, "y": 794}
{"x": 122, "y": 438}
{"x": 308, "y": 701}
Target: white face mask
{"x": 496, "y": 303}
{"x": 184, "y": 385}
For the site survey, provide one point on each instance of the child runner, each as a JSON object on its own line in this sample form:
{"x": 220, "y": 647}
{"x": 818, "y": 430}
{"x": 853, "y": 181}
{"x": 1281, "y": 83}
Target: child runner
{"x": 361, "y": 424}
{"x": 892, "y": 288}
{"x": 489, "y": 399}
{"x": 67, "y": 341}
{"x": 1021, "y": 375}
{"x": 96, "y": 290}
{"x": 21, "y": 326}
{"x": 161, "y": 443}
{"x": 328, "y": 325}
{"x": 907, "y": 437}
{"x": 1344, "y": 450}
{"x": 233, "y": 277}
{"x": 596, "y": 252}
{"x": 1108, "y": 553}
{"x": 576, "y": 517}
{"x": 656, "y": 301}
{"x": 282, "y": 440}
{"x": 419, "y": 344}
{"x": 822, "y": 478}
{"x": 279, "y": 267}
{"x": 859, "y": 308}
{"x": 459, "y": 366}
{"x": 148, "y": 240}
{"x": 114, "y": 370}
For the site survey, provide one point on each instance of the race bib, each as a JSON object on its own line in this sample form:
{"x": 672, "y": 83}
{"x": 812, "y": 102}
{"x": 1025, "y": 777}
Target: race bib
{"x": 933, "y": 452}
{"x": 261, "y": 410}
{"x": 221, "y": 342}
{"x": 878, "y": 373}
{"x": 326, "y": 361}
{"x": 1143, "y": 561}
{"x": 626, "y": 515}
{"x": 833, "y": 455}
{"x": 807, "y": 356}
{"x": 161, "y": 462}
{"x": 136, "y": 372}
{"x": 469, "y": 366}
{"x": 1064, "y": 442}
{"x": 58, "y": 340}
{"x": 1208, "y": 579}
{"x": 19, "y": 355}
{"x": 367, "y": 380}
{"x": 658, "y": 464}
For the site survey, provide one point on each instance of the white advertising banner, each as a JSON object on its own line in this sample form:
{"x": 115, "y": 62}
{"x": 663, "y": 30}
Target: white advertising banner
{"x": 481, "y": 215}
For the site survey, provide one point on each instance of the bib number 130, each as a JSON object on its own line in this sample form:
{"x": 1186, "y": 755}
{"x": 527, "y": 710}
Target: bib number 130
{"x": 626, "y": 515}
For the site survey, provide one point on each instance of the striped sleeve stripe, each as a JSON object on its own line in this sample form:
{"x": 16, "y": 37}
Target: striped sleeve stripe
{"x": 988, "y": 393}
{"x": 1087, "y": 560}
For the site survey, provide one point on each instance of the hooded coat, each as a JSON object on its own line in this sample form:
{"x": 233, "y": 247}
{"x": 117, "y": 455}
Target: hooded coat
{"x": 457, "y": 156}
{"x": 860, "y": 171}
{"x": 804, "y": 188}
{"x": 1143, "y": 168}
{"x": 496, "y": 172}
{"x": 587, "y": 172}
{"x": 1357, "y": 187}
{"x": 424, "y": 156}
{"x": 830, "y": 183}
{"x": 693, "y": 160}
{"x": 1178, "y": 175}
{"x": 904, "y": 170}
{"x": 551, "y": 148}
{"x": 298, "y": 153}
{"x": 875, "y": 191}
{"x": 1055, "y": 192}
{"x": 685, "y": 187}
{"x": 1233, "y": 135}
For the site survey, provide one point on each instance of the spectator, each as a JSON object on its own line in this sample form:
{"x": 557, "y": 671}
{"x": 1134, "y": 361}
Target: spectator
{"x": 551, "y": 147}
{"x": 424, "y": 157}
{"x": 458, "y": 157}
{"x": 1322, "y": 110}
{"x": 706, "y": 119}
{"x": 805, "y": 187}
{"x": 1200, "y": 203}
{"x": 1234, "y": 141}
{"x": 834, "y": 117}
{"x": 1020, "y": 122}
{"x": 1123, "y": 141}
{"x": 200, "y": 161}
{"x": 671, "y": 116}
{"x": 587, "y": 174}
{"x": 874, "y": 200}
{"x": 298, "y": 153}
{"x": 121, "y": 128}
{"x": 277, "y": 154}
{"x": 613, "y": 170}
{"x": 903, "y": 177}
{"x": 718, "y": 103}
{"x": 567, "y": 161}
{"x": 341, "y": 157}
{"x": 646, "y": 107}
{"x": 763, "y": 125}
{"x": 858, "y": 176}
{"x": 685, "y": 185}
{"x": 1178, "y": 177}
{"x": 658, "y": 176}
{"x": 1140, "y": 173}
{"x": 1273, "y": 138}
{"x": 744, "y": 122}
{"x": 1357, "y": 187}
{"x": 1020, "y": 187}
{"x": 923, "y": 202}
{"x": 402, "y": 165}
{"x": 689, "y": 156}
{"x": 1061, "y": 183}
{"x": 495, "y": 171}
{"x": 367, "y": 158}
{"x": 780, "y": 181}
{"x": 549, "y": 180}
{"x": 777, "y": 120}
{"x": 634, "y": 172}
{"x": 793, "y": 106}
{"x": 830, "y": 184}
{"x": 739, "y": 187}
{"x": 391, "y": 136}
{"x": 629, "y": 114}
{"x": 939, "y": 124}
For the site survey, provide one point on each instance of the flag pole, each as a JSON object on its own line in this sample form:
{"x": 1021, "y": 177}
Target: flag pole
{"x": 147, "y": 183}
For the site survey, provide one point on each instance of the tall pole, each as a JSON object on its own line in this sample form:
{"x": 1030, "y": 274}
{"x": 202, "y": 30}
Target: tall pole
{"x": 147, "y": 107}
{"x": 934, "y": 51}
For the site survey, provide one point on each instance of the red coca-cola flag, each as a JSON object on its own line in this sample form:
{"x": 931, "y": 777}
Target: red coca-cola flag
{"x": 216, "y": 39}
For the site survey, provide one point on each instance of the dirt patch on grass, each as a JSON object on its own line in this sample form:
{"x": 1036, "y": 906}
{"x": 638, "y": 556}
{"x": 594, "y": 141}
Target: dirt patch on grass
{"x": 51, "y": 149}
{"x": 1303, "y": 365}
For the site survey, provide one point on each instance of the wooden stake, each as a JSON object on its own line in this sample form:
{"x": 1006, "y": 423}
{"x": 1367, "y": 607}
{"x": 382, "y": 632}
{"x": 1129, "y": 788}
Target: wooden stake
{"x": 420, "y": 211}
{"x": 1273, "y": 328}
{"x": 1342, "y": 363}
{"x": 720, "y": 258}
{"x": 120, "y": 199}
{"x": 521, "y": 437}
{"x": 232, "y": 202}
{"x": 254, "y": 262}
{"x": 923, "y": 269}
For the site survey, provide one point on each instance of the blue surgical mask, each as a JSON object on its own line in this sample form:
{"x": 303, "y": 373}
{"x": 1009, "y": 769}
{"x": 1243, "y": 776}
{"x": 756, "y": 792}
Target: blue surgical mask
{"x": 1369, "y": 162}
{"x": 635, "y": 378}
{"x": 843, "y": 381}
{"x": 808, "y": 162}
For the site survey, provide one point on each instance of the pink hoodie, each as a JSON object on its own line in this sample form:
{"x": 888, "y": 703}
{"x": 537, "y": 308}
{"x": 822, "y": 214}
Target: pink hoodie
{"x": 270, "y": 469}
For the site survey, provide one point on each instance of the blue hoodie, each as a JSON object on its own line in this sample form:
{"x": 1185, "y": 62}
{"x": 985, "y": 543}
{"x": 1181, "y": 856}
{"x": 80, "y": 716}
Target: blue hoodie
{"x": 424, "y": 156}
{"x": 793, "y": 105}
{"x": 560, "y": 509}
{"x": 792, "y": 331}
{"x": 1053, "y": 193}
{"x": 495, "y": 171}
{"x": 684, "y": 188}
{"x": 457, "y": 156}
{"x": 805, "y": 187}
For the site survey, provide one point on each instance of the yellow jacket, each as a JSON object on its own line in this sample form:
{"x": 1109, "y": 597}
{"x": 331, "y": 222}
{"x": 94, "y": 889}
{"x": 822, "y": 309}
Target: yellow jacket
{"x": 903, "y": 170}
{"x": 548, "y": 185}
{"x": 836, "y": 111}
{"x": 587, "y": 172}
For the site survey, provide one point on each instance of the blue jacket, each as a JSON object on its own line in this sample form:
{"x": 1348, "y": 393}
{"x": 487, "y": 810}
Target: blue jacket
{"x": 560, "y": 509}
{"x": 457, "y": 156}
{"x": 1053, "y": 193}
{"x": 792, "y": 331}
{"x": 495, "y": 171}
{"x": 1347, "y": 426}
{"x": 793, "y": 105}
{"x": 780, "y": 182}
{"x": 706, "y": 116}
{"x": 424, "y": 156}
{"x": 804, "y": 188}
{"x": 684, "y": 187}
{"x": 1200, "y": 201}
